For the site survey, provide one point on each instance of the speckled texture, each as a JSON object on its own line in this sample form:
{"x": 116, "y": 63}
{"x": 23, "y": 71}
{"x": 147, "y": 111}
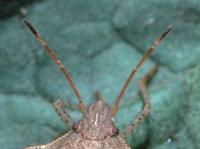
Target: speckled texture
{"x": 75, "y": 141}
{"x": 95, "y": 130}
{"x": 100, "y": 42}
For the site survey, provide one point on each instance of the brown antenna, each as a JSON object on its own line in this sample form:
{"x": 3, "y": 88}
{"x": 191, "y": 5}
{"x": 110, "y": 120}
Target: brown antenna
{"x": 57, "y": 62}
{"x": 145, "y": 56}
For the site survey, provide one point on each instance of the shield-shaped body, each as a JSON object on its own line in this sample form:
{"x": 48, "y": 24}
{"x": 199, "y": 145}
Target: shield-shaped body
{"x": 95, "y": 130}
{"x": 72, "y": 140}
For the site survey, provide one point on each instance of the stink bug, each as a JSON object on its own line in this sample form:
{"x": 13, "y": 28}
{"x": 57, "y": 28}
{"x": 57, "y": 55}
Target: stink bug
{"x": 96, "y": 129}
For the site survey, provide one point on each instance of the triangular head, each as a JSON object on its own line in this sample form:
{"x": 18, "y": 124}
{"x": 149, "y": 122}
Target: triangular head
{"x": 97, "y": 122}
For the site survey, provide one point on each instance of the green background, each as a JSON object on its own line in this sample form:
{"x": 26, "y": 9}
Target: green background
{"x": 99, "y": 42}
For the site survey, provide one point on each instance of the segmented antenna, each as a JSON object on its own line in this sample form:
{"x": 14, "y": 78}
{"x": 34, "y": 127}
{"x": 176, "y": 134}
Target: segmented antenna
{"x": 57, "y": 62}
{"x": 145, "y": 56}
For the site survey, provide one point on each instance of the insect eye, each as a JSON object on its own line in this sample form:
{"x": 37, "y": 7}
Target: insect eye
{"x": 115, "y": 131}
{"x": 75, "y": 127}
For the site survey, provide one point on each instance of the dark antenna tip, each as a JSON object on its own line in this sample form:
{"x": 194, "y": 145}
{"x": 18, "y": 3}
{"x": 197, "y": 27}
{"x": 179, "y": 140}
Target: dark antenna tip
{"x": 56, "y": 61}
{"x": 145, "y": 56}
{"x": 164, "y": 34}
{"x": 31, "y": 28}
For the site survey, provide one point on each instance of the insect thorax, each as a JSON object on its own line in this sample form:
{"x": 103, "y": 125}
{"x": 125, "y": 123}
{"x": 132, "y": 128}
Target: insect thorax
{"x": 97, "y": 123}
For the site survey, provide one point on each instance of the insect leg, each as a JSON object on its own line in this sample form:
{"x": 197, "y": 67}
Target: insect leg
{"x": 59, "y": 108}
{"x": 69, "y": 105}
{"x": 146, "y": 102}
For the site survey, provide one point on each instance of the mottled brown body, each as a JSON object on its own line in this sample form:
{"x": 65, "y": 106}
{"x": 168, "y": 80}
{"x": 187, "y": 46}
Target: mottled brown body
{"x": 75, "y": 141}
{"x": 96, "y": 129}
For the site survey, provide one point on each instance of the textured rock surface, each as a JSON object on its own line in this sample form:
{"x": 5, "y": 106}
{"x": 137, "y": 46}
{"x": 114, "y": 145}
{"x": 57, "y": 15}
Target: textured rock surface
{"x": 100, "y": 42}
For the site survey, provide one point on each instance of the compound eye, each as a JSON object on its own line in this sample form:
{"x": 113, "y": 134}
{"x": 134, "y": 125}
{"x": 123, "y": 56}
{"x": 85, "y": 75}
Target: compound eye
{"x": 115, "y": 131}
{"x": 75, "y": 127}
